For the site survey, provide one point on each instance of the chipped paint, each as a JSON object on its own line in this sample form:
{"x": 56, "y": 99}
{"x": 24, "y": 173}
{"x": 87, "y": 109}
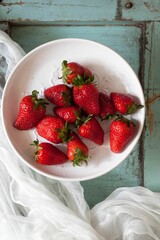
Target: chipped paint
{"x": 11, "y": 3}
{"x": 9, "y": 10}
{"x": 118, "y": 10}
{"x": 143, "y": 43}
{"x": 152, "y": 9}
{"x": 150, "y": 114}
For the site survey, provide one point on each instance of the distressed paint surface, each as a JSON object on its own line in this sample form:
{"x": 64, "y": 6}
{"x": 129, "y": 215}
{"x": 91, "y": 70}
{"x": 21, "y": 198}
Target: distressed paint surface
{"x": 146, "y": 10}
{"x": 152, "y": 92}
{"x": 63, "y": 10}
{"x": 112, "y": 36}
{"x": 76, "y": 10}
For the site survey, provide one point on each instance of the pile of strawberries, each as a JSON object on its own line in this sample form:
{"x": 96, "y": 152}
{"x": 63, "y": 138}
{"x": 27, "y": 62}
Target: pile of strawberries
{"x": 77, "y": 105}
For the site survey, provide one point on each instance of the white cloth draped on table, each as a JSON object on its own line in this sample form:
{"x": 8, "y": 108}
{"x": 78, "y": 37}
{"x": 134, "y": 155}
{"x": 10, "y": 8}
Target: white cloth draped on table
{"x": 35, "y": 207}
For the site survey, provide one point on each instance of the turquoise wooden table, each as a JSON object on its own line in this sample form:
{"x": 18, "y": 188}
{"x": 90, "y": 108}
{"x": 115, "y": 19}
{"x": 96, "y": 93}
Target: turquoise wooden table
{"x": 130, "y": 28}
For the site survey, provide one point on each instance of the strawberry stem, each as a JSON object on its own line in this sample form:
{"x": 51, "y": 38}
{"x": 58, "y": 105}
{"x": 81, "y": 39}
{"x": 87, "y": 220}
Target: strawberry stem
{"x": 79, "y": 158}
{"x": 79, "y": 80}
{"x": 67, "y": 97}
{"x": 81, "y": 120}
{"x": 37, "y": 147}
{"x": 88, "y": 118}
{"x": 38, "y": 101}
{"x": 65, "y": 70}
{"x": 108, "y": 116}
{"x": 120, "y": 117}
{"x": 78, "y": 121}
{"x": 133, "y": 108}
{"x": 64, "y": 133}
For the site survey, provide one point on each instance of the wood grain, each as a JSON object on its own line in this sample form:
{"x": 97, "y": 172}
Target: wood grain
{"x": 152, "y": 93}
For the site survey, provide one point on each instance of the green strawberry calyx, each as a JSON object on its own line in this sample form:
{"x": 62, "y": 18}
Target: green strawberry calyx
{"x": 67, "y": 98}
{"x": 79, "y": 80}
{"x": 78, "y": 114}
{"x": 125, "y": 120}
{"x": 65, "y": 70}
{"x": 133, "y": 108}
{"x": 88, "y": 118}
{"x": 38, "y": 101}
{"x": 79, "y": 157}
{"x": 37, "y": 147}
{"x": 64, "y": 133}
{"x": 82, "y": 120}
{"x": 108, "y": 116}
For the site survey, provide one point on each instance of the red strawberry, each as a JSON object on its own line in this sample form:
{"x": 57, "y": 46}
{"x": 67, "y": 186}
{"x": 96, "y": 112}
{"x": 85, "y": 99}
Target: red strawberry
{"x": 53, "y": 129}
{"x": 124, "y": 103}
{"x": 92, "y": 130}
{"x": 32, "y": 109}
{"x": 48, "y": 154}
{"x": 77, "y": 151}
{"x": 107, "y": 108}
{"x": 87, "y": 73}
{"x": 68, "y": 113}
{"x": 71, "y": 70}
{"x": 121, "y": 131}
{"x": 86, "y": 95}
{"x": 59, "y": 95}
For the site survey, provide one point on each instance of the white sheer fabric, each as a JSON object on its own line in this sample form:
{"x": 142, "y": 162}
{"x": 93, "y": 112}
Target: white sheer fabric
{"x": 35, "y": 207}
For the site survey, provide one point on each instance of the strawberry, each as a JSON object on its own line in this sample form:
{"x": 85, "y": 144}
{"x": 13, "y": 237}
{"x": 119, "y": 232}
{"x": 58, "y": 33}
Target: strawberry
{"x": 59, "y": 95}
{"x": 71, "y": 70}
{"x": 124, "y": 103}
{"x": 32, "y": 109}
{"x": 87, "y": 73}
{"x": 107, "y": 108}
{"x": 68, "y": 113}
{"x": 92, "y": 130}
{"x": 121, "y": 132}
{"x": 86, "y": 95}
{"x": 46, "y": 153}
{"x": 53, "y": 129}
{"x": 77, "y": 151}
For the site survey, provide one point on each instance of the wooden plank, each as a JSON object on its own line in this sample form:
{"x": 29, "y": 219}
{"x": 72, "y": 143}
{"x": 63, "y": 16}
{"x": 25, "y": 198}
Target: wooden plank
{"x": 57, "y": 10}
{"x": 38, "y": 11}
{"x": 125, "y": 40}
{"x": 152, "y": 92}
{"x": 144, "y": 10}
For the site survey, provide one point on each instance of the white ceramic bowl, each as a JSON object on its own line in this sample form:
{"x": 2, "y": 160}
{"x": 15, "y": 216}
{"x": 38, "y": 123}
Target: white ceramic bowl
{"x": 40, "y": 69}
